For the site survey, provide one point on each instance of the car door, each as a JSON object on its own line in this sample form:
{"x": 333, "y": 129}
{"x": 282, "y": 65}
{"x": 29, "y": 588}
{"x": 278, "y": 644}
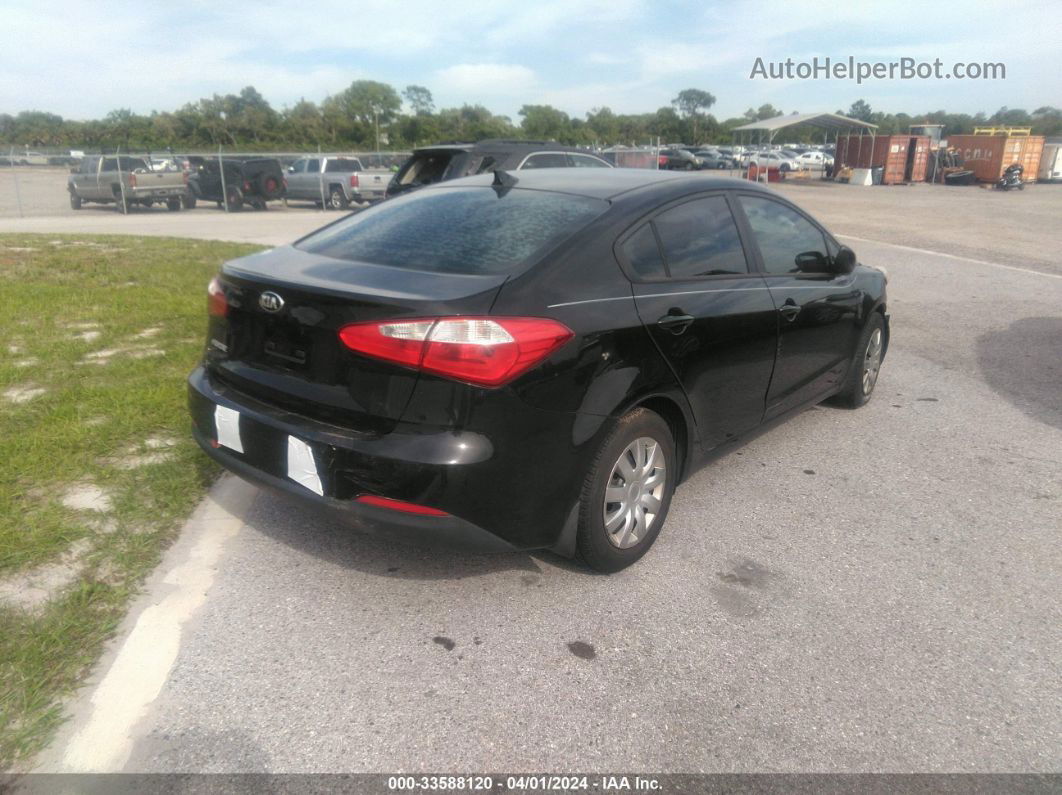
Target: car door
{"x": 107, "y": 178}
{"x": 709, "y": 313}
{"x": 297, "y": 181}
{"x": 818, "y": 309}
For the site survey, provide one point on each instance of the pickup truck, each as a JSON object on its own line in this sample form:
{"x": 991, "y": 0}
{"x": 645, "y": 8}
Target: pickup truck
{"x": 335, "y": 181}
{"x": 126, "y": 181}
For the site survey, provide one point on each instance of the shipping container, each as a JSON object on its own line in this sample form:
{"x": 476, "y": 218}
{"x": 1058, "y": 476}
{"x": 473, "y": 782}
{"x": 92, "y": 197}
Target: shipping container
{"x": 902, "y": 158}
{"x": 988, "y": 155}
{"x": 1050, "y": 164}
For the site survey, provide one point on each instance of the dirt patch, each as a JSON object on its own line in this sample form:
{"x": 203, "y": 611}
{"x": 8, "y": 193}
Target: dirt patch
{"x": 29, "y": 590}
{"x": 87, "y": 497}
{"x": 23, "y": 394}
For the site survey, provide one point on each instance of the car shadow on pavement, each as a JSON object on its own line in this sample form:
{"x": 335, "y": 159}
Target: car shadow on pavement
{"x": 336, "y": 539}
{"x": 1023, "y": 363}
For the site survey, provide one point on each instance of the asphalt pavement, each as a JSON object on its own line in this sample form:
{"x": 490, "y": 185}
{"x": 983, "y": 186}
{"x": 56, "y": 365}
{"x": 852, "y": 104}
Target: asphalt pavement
{"x": 869, "y": 590}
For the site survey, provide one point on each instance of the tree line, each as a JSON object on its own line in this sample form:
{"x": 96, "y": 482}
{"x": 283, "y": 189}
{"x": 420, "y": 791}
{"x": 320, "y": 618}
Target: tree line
{"x": 370, "y": 115}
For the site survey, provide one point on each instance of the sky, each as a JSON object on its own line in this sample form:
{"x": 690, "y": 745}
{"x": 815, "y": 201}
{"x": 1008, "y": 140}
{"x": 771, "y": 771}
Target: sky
{"x": 84, "y": 59}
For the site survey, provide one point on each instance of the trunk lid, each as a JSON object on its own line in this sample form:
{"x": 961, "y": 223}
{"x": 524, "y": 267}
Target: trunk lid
{"x": 284, "y": 349}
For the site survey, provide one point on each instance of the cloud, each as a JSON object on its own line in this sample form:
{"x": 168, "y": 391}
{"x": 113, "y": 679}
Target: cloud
{"x": 485, "y": 79}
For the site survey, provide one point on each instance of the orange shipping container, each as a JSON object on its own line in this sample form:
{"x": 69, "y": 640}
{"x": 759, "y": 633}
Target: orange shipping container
{"x": 902, "y": 158}
{"x": 988, "y": 155}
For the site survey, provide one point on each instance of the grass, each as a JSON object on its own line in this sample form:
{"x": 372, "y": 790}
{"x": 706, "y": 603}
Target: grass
{"x": 66, "y": 302}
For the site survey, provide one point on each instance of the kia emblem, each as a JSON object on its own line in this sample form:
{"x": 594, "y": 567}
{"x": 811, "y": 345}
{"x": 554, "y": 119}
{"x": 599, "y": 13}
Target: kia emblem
{"x": 270, "y": 301}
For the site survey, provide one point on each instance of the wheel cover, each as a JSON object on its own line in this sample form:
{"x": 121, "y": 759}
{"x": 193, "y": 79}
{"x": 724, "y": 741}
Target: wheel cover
{"x": 634, "y": 493}
{"x": 872, "y": 362}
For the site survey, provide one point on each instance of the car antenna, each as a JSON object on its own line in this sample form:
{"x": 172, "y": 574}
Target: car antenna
{"x": 503, "y": 182}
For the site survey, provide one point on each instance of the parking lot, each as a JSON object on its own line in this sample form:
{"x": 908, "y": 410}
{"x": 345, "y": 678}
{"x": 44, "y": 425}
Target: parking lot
{"x": 871, "y": 590}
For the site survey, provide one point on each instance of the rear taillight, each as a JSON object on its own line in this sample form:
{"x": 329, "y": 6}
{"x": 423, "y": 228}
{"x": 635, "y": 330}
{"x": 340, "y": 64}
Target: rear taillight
{"x": 132, "y": 180}
{"x": 485, "y": 351}
{"x": 353, "y": 180}
{"x": 661, "y": 160}
{"x": 400, "y": 505}
{"x": 184, "y": 176}
{"x": 217, "y": 304}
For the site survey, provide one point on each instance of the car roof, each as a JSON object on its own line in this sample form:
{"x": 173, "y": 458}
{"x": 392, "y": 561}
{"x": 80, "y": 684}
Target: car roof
{"x": 604, "y": 183}
{"x": 496, "y": 144}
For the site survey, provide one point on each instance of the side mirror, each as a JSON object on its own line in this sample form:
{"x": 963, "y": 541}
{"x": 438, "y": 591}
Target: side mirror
{"x": 291, "y": 169}
{"x": 844, "y": 261}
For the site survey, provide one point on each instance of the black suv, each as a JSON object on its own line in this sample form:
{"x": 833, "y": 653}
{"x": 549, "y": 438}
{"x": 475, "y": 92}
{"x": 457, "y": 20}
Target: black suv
{"x": 251, "y": 180}
{"x": 441, "y": 162}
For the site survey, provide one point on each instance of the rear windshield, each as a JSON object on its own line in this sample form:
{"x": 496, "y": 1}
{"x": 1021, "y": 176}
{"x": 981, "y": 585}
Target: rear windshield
{"x": 425, "y": 168}
{"x": 458, "y": 230}
{"x": 336, "y": 164}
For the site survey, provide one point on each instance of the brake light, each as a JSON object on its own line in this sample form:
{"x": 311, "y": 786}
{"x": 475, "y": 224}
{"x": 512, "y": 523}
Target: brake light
{"x": 661, "y": 160}
{"x": 132, "y": 180}
{"x": 485, "y": 351}
{"x": 399, "y": 505}
{"x": 353, "y": 180}
{"x": 217, "y": 303}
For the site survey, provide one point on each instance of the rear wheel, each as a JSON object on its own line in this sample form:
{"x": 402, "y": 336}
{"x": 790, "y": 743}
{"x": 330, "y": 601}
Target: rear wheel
{"x": 627, "y": 493}
{"x": 173, "y": 205}
{"x": 121, "y": 204}
{"x": 337, "y": 200}
{"x": 863, "y": 372}
{"x": 235, "y": 199}
{"x": 188, "y": 201}
{"x": 269, "y": 186}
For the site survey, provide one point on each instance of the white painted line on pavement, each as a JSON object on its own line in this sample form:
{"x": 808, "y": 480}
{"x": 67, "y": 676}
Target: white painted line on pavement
{"x": 954, "y": 256}
{"x": 136, "y": 676}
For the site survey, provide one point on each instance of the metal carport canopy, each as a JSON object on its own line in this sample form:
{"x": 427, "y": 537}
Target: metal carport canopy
{"x": 827, "y": 121}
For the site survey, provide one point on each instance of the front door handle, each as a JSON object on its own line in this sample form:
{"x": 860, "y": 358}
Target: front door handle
{"x": 789, "y": 310}
{"x": 676, "y": 324}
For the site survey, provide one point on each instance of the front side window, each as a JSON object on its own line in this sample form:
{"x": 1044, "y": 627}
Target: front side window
{"x": 458, "y": 230}
{"x": 313, "y": 166}
{"x": 299, "y": 166}
{"x": 789, "y": 243}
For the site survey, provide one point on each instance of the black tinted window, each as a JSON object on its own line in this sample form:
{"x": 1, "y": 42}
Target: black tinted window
{"x": 700, "y": 238}
{"x": 643, "y": 254}
{"x": 458, "y": 230}
{"x": 789, "y": 242}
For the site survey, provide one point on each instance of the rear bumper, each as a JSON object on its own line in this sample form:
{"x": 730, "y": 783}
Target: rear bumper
{"x": 480, "y": 481}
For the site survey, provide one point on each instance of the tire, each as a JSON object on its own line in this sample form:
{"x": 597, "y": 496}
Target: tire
{"x": 613, "y": 543}
{"x": 188, "y": 201}
{"x": 173, "y": 205}
{"x": 258, "y": 204}
{"x": 269, "y": 186}
{"x": 235, "y": 203}
{"x": 75, "y": 201}
{"x": 866, "y": 364}
{"x": 337, "y": 200}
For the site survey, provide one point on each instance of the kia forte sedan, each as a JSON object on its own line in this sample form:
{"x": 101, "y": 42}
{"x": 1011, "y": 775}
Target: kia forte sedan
{"x": 534, "y": 360}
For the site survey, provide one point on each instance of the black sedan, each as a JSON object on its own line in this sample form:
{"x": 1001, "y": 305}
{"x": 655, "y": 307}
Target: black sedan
{"x": 532, "y": 361}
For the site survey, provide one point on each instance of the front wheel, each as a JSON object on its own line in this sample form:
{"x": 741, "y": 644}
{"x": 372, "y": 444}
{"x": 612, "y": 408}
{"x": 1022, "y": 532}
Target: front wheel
{"x": 627, "y": 493}
{"x": 863, "y": 372}
{"x": 75, "y": 201}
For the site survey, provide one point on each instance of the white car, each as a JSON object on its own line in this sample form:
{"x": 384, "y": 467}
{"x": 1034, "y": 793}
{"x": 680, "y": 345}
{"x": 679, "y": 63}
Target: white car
{"x": 814, "y": 158}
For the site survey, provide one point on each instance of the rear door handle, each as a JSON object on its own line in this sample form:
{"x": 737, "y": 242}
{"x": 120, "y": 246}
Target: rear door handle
{"x": 676, "y": 324}
{"x": 789, "y": 310}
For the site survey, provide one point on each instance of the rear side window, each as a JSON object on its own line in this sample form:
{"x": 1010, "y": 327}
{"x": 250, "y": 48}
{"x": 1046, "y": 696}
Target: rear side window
{"x": 700, "y": 238}
{"x": 458, "y": 230}
{"x": 788, "y": 242}
{"x": 643, "y": 254}
{"x": 585, "y": 161}
{"x": 547, "y": 160}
